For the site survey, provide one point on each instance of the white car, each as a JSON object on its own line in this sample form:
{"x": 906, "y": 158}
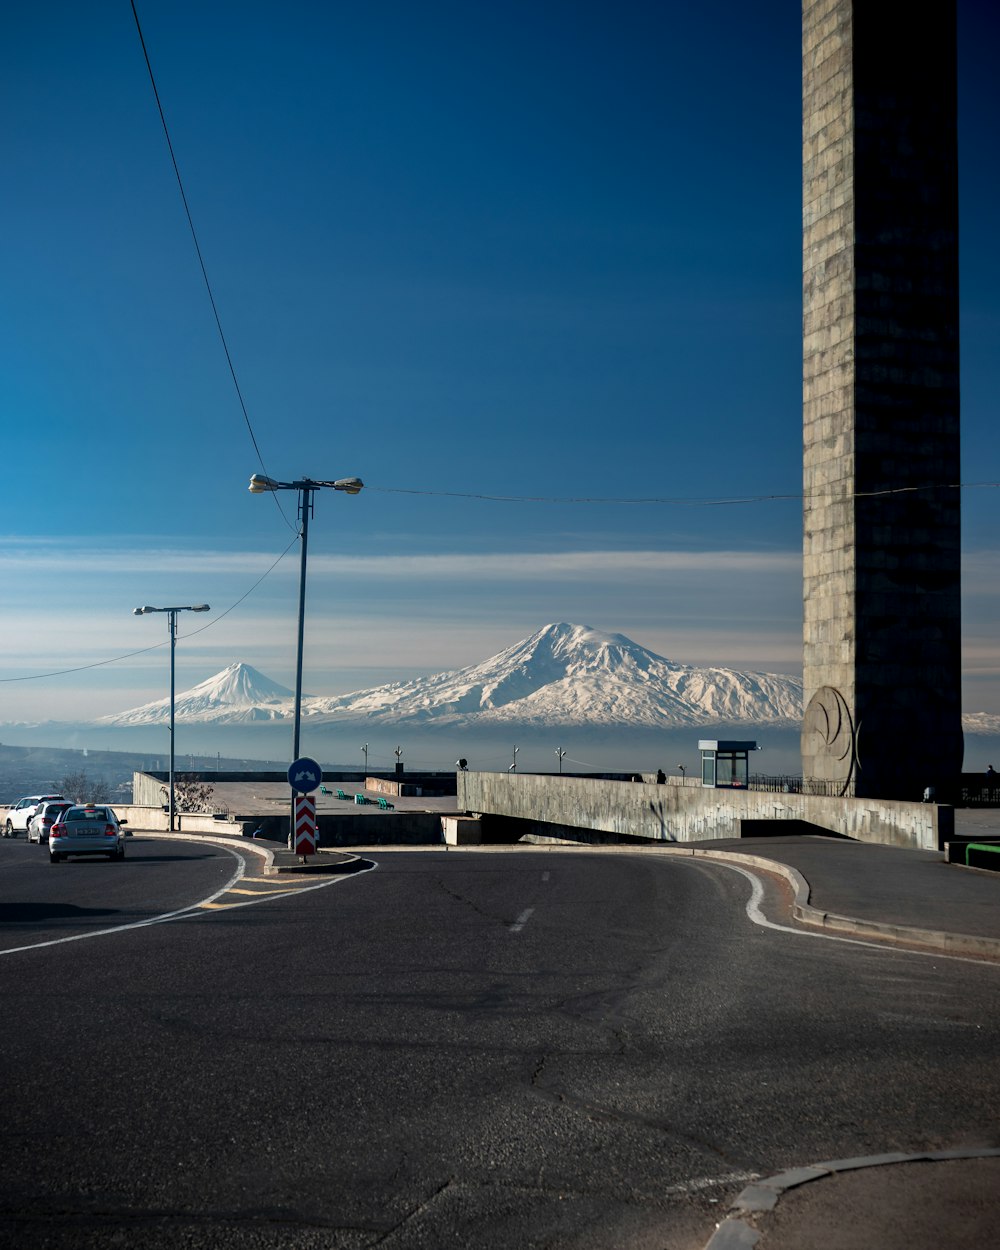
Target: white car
{"x": 22, "y": 812}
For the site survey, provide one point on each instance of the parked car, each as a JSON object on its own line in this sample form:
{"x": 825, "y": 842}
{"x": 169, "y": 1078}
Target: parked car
{"x": 46, "y": 815}
{"x": 22, "y": 812}
{"x": 87, "y": 829}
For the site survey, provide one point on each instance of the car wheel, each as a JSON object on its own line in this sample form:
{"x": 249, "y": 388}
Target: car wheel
{"x": 54, "y": 859}
{"x": 8, "y": 830}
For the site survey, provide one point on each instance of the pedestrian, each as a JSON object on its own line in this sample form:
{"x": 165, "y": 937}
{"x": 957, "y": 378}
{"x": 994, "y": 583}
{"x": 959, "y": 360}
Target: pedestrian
{"x": 661, "y": 777}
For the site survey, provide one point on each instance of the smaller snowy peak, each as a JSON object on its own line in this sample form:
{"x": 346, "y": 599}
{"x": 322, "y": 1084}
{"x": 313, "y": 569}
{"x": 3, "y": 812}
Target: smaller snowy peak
{"x": 239, "y": 693}
{"x": 239, "y": 684}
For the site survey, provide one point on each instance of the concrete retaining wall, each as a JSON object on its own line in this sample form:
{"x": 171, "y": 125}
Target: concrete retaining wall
{"x": 688, "y": 814}
{"x": 142, "y": 817}
{"x": 385, "y": 828}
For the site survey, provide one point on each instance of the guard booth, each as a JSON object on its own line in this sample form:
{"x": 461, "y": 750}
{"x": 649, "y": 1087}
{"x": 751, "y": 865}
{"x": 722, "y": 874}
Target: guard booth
{"x": 725, "y": 765}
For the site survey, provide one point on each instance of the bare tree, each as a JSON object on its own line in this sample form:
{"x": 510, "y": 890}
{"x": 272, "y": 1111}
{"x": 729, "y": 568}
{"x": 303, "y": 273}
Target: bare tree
{"x": 81, "y": 788}
{"x": 192, "y": 794}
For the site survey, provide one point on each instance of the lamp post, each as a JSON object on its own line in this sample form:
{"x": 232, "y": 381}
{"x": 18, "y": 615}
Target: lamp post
{"x": 365, "y": 750}
{"x": 172, "y": 627}
{"x": 306, "y": 486}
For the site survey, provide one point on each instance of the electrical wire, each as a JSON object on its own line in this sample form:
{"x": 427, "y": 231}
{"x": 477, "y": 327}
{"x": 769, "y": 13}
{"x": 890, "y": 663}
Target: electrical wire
{"x": 201, "y": 261}
{"x": 706, "y": 501}
{"x": 157, "y": 645}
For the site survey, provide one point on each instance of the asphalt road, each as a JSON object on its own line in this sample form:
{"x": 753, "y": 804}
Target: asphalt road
{"x": 487, "y": 1049}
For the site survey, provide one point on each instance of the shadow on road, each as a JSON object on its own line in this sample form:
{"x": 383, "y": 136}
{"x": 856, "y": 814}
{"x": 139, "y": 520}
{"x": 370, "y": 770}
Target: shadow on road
{"x": 30, "y": 913}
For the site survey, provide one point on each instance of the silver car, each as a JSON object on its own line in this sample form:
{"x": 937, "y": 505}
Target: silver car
{"x": 44, "y": 818}
{"x": 87, "y": 829}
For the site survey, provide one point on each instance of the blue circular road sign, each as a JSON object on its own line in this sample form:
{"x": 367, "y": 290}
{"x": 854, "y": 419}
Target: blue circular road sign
{"x": 305, "y": 775}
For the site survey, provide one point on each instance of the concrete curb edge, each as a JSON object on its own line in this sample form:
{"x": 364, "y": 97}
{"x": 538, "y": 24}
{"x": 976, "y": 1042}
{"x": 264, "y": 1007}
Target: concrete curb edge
{"x": 273, "y": 864}
{"x": 803, "y": 911}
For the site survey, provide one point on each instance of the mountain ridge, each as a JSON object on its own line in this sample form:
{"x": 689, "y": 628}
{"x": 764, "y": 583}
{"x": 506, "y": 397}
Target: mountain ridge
{"x": 563, "y": 674}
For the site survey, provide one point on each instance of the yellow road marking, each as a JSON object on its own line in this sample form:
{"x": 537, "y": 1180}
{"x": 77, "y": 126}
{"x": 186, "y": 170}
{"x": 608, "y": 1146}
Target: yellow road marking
{"x": 274, "y": 883}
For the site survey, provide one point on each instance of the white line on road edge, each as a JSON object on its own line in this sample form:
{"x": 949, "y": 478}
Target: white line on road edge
{"x": 192, "y": 910}
{"x": 757, "y": 916}
{"x": 522, "y": 920}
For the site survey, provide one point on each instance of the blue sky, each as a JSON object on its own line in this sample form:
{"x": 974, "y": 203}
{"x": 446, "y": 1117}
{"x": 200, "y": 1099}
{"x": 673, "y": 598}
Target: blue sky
{"x": 544, "y": 251}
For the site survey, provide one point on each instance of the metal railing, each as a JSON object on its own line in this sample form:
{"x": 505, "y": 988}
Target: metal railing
{"x": 799, "y": 785}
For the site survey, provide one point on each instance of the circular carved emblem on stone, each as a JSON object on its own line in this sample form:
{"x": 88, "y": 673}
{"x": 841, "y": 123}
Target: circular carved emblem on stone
{"x": 828, "y": 738}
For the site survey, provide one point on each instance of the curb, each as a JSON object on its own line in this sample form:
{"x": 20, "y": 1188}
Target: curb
{"x": 736, "y": 1232}
{"x": 288, "y": 861}
{"x": 266, "y": 854}
{"x": 275, "y": 861}
{"x": 933, "y": 939}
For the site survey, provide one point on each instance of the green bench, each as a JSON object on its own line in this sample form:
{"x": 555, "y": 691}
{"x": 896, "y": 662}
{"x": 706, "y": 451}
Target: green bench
{"x": 385, "y": 805}
{"x": 341, "y": 794}
{"x": 980, "y": 846}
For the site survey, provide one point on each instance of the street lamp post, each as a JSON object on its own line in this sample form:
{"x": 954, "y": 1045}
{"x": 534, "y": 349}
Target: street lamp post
{"x": 172, "y": 627}
{"x": 306, "y": 486}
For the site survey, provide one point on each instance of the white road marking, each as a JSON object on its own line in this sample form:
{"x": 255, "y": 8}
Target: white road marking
{"x": 757, "y": 916}
{"x": 545, "y": 876}
{"x": 522, "y": 920}
{"x": 202, "y": 908}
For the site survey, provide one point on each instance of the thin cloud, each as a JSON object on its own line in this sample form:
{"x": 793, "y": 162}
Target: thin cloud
{"x": 497, "y": 566}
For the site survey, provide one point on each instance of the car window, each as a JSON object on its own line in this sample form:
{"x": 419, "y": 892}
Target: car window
{"x": 87, "y": 813}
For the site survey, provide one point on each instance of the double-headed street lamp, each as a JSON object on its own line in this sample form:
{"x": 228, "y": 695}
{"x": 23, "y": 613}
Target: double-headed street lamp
{"x": 172, "y": 626}
{"x": 306, "y": 486}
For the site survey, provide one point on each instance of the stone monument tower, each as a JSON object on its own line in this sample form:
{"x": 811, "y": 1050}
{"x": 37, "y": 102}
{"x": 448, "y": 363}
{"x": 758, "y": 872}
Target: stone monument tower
{"x": 882, "y": 638}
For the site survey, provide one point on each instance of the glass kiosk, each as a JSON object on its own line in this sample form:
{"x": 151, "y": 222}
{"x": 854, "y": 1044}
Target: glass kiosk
{"x": 724, "y": 765}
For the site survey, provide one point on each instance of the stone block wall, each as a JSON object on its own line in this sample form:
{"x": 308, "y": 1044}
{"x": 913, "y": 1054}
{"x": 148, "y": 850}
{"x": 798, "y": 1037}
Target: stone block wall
{"x": 881, "y": 538}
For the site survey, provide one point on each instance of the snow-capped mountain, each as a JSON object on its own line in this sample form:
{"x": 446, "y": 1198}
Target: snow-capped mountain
{"x": 237, "y": 695}
{"x": 573, "y": 675}
{"x": 562, "y": 675}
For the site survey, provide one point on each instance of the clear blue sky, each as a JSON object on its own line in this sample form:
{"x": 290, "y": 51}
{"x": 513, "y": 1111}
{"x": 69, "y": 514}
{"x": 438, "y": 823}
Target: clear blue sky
{"x": 535, "y": 250}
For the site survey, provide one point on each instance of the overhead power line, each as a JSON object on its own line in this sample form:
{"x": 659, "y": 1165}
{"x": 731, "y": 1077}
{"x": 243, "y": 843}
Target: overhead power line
{"x": 690, "y": 501}
{"x": 62, "y": 672}
{"x": 201, "y": 259}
